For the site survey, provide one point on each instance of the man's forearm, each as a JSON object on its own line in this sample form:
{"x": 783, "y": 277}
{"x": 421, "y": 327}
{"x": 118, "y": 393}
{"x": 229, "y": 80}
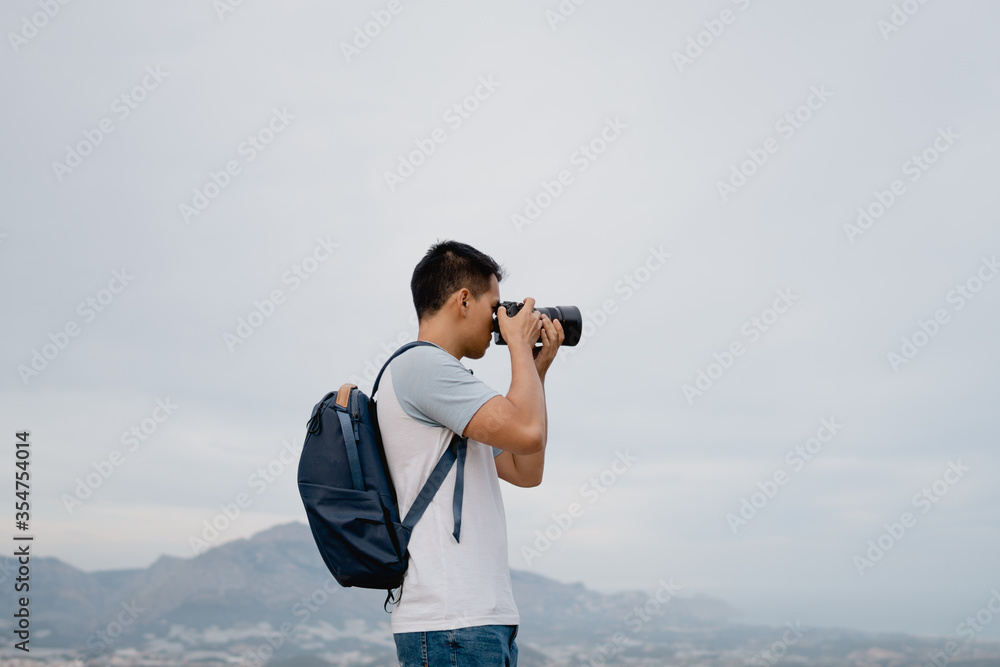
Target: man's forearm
{"x": 545, "y": 414}
{"x": 532, "y": 465}
{"x": 526, "y": 391}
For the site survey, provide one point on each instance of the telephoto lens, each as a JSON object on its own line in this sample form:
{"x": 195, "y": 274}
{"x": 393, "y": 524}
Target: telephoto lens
{"x": 569, "y": 316}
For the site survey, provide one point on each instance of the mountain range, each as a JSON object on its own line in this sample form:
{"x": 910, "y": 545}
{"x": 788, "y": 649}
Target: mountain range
{"x": 270, "y": 600}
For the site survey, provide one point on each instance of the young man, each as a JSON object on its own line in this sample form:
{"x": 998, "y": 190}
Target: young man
{"x": 457, "y": 607}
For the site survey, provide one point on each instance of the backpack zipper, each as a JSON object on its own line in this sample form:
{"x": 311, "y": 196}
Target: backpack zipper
{"x": 356, "y": 414}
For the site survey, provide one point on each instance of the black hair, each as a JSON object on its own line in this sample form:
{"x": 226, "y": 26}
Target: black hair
{"x": 449, "y": 266}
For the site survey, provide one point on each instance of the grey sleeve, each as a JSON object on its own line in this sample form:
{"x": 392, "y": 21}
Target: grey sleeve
{"x": 435, "y": 388}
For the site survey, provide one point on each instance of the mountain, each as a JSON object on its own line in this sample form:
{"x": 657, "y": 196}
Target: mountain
{"x": 270, "y": 599}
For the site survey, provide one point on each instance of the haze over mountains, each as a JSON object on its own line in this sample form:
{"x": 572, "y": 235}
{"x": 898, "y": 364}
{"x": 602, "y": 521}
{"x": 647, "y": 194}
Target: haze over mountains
{"x": 270, "y": 599}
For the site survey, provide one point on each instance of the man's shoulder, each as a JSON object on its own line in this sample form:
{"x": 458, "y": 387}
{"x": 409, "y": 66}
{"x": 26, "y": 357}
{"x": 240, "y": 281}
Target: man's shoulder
{"x": 421, "y": 358}
{"x": 425, "y": 372}
{"x": 433, "y": 387}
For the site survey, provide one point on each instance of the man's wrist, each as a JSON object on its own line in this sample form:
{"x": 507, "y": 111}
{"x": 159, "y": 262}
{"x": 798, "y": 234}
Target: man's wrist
{"x": 520, "y": 348}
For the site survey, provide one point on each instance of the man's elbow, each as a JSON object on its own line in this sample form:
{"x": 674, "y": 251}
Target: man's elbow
{"x": 532, "y": 482}
{"x": 534, "y": 441}
{"x": 526, "y": 477}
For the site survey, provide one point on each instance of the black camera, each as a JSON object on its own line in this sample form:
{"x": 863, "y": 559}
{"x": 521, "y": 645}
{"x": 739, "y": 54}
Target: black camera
{"x": 569, "y": 316}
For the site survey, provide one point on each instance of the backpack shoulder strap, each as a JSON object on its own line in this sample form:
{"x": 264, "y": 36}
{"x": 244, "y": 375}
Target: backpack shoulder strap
{"x": 404, "y": 348}
{"x": 455, "y": 452}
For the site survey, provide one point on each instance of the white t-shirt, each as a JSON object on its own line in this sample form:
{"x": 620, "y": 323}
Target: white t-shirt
{"x": 425, "y": 395}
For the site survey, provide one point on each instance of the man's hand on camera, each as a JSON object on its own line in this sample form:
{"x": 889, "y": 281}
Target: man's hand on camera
{"x": 552, "y": 337}
{"x": 521, "y": 330}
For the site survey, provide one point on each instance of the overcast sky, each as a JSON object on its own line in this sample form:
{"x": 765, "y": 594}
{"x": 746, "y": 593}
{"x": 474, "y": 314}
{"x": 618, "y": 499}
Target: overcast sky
{"x": 674, "y": 169}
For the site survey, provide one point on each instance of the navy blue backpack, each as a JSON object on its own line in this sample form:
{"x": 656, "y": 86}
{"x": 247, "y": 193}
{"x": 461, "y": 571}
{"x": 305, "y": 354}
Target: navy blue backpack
{"x": 349, "y": 496}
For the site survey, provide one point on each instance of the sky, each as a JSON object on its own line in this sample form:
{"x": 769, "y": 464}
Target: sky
{"x": 778, "y": 219}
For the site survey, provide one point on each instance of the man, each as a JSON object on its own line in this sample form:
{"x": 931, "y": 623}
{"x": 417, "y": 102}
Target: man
{"x": 456, "y": 606}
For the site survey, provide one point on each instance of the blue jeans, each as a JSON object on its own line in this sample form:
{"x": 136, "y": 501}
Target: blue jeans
{"x": 476, "y": 646}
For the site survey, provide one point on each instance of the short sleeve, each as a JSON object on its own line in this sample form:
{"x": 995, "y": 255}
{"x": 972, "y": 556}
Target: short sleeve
{"x": 435, "y": 388}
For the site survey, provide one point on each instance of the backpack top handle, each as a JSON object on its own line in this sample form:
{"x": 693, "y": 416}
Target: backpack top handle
{"x": 344, "y": 393}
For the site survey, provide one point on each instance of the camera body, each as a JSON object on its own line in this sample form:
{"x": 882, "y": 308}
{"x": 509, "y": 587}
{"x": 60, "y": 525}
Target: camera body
{"x": 569, "y": 316}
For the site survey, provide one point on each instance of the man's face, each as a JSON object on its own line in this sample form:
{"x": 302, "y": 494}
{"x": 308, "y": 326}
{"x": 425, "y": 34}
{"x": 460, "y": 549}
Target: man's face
{"x": 481, "y": 317}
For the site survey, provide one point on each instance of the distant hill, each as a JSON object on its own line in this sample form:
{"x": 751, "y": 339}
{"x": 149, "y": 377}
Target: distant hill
{"x": 223, "y": 605}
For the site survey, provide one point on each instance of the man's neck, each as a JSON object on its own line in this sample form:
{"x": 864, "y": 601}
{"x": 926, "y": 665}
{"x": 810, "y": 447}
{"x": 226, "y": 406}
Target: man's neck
{"x": 430, "y": 335}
